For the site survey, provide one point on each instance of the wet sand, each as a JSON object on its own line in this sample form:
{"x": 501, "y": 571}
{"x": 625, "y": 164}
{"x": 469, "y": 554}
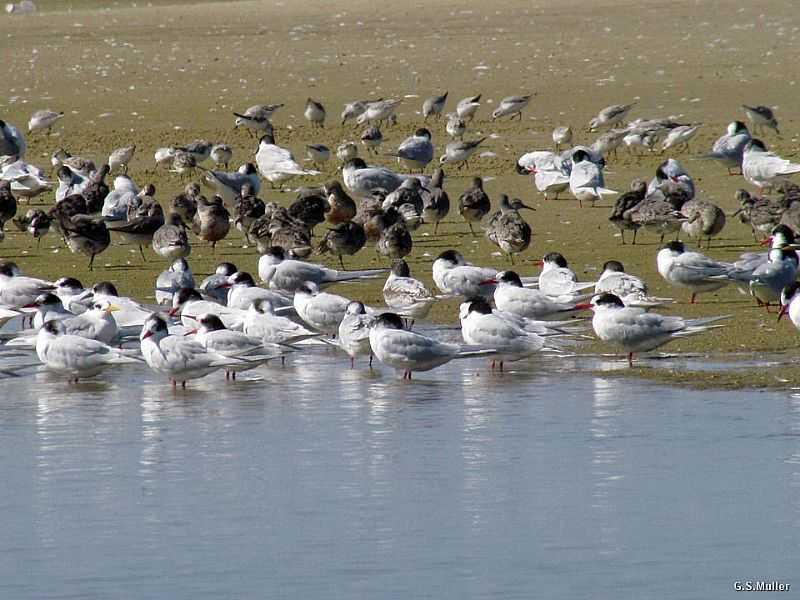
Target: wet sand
{"x": 162, "y": 74}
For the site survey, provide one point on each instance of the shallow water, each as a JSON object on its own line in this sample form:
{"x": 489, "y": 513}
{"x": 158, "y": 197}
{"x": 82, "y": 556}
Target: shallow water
{"x": 319, "y": 482}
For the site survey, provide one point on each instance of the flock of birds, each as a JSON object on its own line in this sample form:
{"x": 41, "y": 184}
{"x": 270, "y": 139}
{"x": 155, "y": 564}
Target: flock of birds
{"x": 229, "y": 323}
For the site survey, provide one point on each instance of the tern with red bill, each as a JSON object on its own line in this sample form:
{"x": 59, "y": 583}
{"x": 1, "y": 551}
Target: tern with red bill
{"x": 790, "y": 303}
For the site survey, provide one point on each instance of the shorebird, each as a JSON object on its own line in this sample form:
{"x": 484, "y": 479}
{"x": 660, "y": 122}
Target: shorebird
{"x": 121, "y": 157}
{"x": 140, "y": 230}
{"x": 314, "y": 113}
{"x": 433, "y": 106}
{"x": 459, "y": 152}
{"x": 610, "y": 116}
{"x": 43, "y": 119}
{"x": 510, "y": 106}
{"x": 467, "y": 107}
{"x": 436, "y": 203}
{"x": 212, "y": 221}
{"x": 474, "y": 203}
{"x": 507, "y": 229}
{"x": 562, "y": 135}
{"x": 170, "y": 240}
{"x": 761, "y": 117}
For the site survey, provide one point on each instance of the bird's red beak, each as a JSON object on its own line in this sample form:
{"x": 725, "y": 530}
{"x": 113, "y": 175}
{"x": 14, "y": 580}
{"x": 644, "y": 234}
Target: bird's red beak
{"x": 190, "y": 332}
{"x": 583, "y": 306}
{"x": 488, "y": 282}
{"x": 538, "y": 263}
{"x": 765, "y": 241}
{"x": 147, "y": 334}
{"x": 172, "y": 312}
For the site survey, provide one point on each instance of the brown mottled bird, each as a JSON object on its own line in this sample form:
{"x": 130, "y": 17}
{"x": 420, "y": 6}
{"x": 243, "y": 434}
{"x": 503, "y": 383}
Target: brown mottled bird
{"x": 341, "y": 207}
{"x": 474, "y": 203}
{"x": 212, "y": 221}
{"x": 344, "y": 239}
{"x": 84, "y": 234}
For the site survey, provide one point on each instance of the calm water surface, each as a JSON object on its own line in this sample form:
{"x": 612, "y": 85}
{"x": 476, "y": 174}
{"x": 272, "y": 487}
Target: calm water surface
{"x": 318, "y": 482}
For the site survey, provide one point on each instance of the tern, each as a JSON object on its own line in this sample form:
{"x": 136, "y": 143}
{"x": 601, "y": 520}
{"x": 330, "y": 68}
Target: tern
{"x": 408, "y": 351}
{"x": 216, "y": 285}
{"x": 764, "y": 169}
{"x": 215, "y": 337}
{"x": 282, "y": 273}
{"x": 790, "y": 303}
{"x": 262, "y": 322}
{"x": 550, "y": 175}
{"x": 729, "y": 148}
{"x": 320, "y": 310}
{"x": 416, "y": 152}
{"x": 455, "y": 277}
{"x": 277, "y": 164}
{"x": 243, "y": 292}
{"x": 635, "y": 330}
{"x": 631, "y": 289}
{"x": 178, "y": 275}
{"x": 557, "y": 279}
{"x": 361, "y": 180}
{"x": 691, "y": 270}
{"x": 75, "y": 356}
{"x": 586, "y": 179}
{"x": 510, "y": 297}
{"x": 405, "y": 295}
{"x": 481, "y": 327}
{"x": 354, "y": 332}
{"x": 177, "y": 357}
